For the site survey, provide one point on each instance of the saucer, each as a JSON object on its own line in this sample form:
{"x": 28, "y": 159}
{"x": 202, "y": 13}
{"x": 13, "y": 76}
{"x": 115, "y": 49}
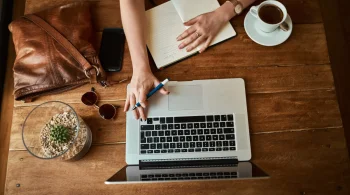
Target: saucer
{"x": 267, "y": 39}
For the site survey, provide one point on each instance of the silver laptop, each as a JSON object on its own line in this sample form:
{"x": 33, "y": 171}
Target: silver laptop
{"x": 201, "y": 124}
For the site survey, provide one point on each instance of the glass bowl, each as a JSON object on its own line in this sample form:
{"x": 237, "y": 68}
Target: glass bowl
{"x": 54, "y": 129}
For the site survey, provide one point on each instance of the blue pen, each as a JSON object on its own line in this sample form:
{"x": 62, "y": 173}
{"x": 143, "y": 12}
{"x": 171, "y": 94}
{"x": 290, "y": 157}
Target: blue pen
{"x": 152, "y": 92}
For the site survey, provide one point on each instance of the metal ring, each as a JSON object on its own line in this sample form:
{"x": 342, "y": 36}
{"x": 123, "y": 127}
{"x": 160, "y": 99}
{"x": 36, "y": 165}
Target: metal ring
{"x": 97, "y": 69}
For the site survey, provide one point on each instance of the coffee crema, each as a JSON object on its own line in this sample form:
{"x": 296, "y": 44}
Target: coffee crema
{"x": 270, "y": 14}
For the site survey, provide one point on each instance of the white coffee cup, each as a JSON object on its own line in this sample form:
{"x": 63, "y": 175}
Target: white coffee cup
{"x": 266, "y": 27}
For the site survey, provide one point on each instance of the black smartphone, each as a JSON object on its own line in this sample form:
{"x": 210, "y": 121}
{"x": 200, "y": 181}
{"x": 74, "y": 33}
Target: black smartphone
{"x": 112, "y": 49}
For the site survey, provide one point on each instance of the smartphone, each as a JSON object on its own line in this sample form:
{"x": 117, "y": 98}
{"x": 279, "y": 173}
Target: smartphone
{"x": 112, "y": 49}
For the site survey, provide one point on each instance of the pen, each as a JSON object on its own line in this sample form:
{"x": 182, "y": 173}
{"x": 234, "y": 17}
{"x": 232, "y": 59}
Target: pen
{"x": 152, "y": 92}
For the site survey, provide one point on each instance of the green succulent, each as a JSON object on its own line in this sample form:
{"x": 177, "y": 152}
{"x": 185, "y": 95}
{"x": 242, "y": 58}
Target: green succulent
{"x": 59, "y": 134}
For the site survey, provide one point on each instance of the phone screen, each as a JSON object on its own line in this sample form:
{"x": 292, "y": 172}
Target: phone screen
{"x": 112, "y": 49}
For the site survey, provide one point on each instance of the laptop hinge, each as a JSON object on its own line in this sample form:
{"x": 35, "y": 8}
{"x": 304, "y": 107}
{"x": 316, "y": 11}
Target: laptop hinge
{"x": 188, "y": 163}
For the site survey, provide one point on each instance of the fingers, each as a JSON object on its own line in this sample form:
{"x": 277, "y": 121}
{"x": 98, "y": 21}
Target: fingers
{"x": 188, "y": 40}
{"x": 162, "y": 90}
{"x": 143, "y": 98}
{"x": 186, "y": 33}
{"x": 205, "y": 46}
{"x": 191, "y": 22}
{"x": 195, "y": 43}
{"x": 127, "y": 103}
{"x": 142, "y": 113}
{"x": 133, "y": 102}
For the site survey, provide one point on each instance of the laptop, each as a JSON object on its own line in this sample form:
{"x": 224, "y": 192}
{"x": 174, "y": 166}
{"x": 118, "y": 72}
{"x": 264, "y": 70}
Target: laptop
{"x": 199, "y": 131}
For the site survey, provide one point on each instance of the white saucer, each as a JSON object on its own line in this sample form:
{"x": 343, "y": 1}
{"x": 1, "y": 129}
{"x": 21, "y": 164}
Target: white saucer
{"x": 267, "y": 39}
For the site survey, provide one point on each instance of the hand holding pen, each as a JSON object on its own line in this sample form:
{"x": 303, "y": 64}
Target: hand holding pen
{"x": 138, "y": 90}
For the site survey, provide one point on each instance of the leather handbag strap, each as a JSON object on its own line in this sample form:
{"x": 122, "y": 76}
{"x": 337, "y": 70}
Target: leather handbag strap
{"x": 68, "y": 46}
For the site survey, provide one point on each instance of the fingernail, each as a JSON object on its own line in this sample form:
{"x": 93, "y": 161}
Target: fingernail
{"x": 188, "y": 49}
{"x": 168, "y": 92}
{"x": 178, "y": 38}
{"x": 180, "y": 46}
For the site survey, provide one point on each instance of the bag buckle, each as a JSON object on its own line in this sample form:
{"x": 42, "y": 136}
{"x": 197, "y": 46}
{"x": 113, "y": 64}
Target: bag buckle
{"x": 96, "y": 68}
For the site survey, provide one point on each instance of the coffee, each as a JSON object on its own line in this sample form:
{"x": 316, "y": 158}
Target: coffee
{"x": 270, "y": 14}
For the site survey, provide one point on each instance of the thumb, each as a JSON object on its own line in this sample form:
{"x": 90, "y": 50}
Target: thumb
{"x": 191, "y": 22}
{"x": 164, "y": 91}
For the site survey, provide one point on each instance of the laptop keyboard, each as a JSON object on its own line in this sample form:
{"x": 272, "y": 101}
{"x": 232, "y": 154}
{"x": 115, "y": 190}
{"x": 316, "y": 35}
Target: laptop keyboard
{"x": 211, "y": 133}
{"x": 188, "y": 176}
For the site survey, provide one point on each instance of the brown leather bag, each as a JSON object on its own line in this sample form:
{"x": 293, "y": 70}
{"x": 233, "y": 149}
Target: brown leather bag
{"x": 54, "y": 52}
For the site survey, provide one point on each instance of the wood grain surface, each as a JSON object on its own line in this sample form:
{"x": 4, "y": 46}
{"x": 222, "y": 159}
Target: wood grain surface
{"x": 295, "y": 125}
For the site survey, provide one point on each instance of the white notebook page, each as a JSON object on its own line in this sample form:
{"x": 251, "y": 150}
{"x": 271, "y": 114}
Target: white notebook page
{"x": 163, "y": 26}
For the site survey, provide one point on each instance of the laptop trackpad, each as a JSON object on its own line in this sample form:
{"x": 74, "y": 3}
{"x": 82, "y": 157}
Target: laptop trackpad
{"x": 185, "y": 97}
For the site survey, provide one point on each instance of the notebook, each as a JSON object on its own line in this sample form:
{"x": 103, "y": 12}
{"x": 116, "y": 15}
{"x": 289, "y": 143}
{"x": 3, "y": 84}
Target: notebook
{"x": 165, "y": 24}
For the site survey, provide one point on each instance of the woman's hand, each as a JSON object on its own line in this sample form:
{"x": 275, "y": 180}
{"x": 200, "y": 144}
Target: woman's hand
{"x": 142, "y": 82}
{"x": 203, "y": 29}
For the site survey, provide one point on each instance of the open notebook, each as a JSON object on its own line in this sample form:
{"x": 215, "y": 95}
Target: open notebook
{"x": 165, "y": 23}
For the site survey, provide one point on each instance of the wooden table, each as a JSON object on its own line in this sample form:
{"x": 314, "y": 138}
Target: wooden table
{"x": 295, "y": 124}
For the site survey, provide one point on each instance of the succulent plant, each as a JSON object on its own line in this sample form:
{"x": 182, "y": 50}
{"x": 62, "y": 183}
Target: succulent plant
{"x": 59, "y": 134}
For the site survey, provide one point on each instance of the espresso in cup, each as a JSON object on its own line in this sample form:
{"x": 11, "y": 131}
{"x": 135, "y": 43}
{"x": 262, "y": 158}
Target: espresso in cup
{"x": 271, "y": 14}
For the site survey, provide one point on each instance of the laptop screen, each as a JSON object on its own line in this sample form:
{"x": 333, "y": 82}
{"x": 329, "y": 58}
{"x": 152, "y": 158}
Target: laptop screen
{"x": 135, "y": 174}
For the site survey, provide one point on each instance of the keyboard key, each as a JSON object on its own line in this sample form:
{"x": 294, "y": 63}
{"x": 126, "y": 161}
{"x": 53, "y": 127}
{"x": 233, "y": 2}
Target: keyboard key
{"x": 143, "y": 140}
{"x": 215, "y": 137}
{"x": 192, "y": 174}
{"x": 196, "y": 125}
{"x": 199, "y": 144}
{"x": 169, "y": 120}
{"x": 195, "y": 138}
{"x": 190, "y": 125}
{"x": 210, "y": 118}
{"x": 167, "y": 133}
{"x": 177, "y": 126}
{"x": 212, "y": 144}
{"x": 205, "y": 144}
{"x": 180, "y": 132}
{"x": 156, "y": 139}
{"x": 166, "y": 145}
{"x": 223, "y": 118}
{"x": 187, "y": 132}
{"x": 189, "y": 119}
{"x": 155, "y": 119}
{"x": 149, "y": 121}
{"x": 156, "y": 151}
{"x": 170, "y": 151}
{"x": 164, "y": 127}
{"x": 209, "y": 125}
{"x": 219, "y": 173}
{"x": 169, "y": 139}
{"x": 179, "y": 145}
{"x": 222, "y": 124}
{"x": 211, "y": 149}
{"x": 222, "y": 137}
{"x": 162, "y": 120}
{"x": 191, "y": 150}
{"x": 154, "y": 133}
{"x": 183, "y": 150}
{"x": 172, "y": 145}
{"x": 147, "y": 127}
{"x": 199, "y": 174}
{"x": 230, "y": 136}
{"x": 218, "y": 144}
{"x": 204, "y": 149}
{"x": 229, "y": 130}
{"x": 203, "y": 125}
{"x": 216, "y": 124}
{"x": 149, "y": 140}
{"x": 202, "y": 138}
{"x": 230, "y": 117}
{"x": 200, "y": 131}
{"x": 142, "y": 134}
{"x": 170, "y": 126}
{"x": 232, "y": 143}
{"x": 157, "y": 127}
{"x": 186, "y": 145}
{"x": 225, "y": 143}
{"x": 148, "y": 133}
{"x": 213, "y": 131}
{"x": 217, "y": 117}
{"x": 193, "y": 132}
{"x": 177, "y": 150}
{"x": 185, "y": 175}
{"x": 188, "y": 138}
{"x": 212, "y": 174}
{"x": 182, "y": 138}
{"x": 153, "y": 146}
{"x": 162, "y": 139}
{"x": 218, "y": 149}
{"x": 206, "y": 131}
{"x": 159, "y": 146}
{"x": 161, "y": 133}
{"x": 227, "y": 173}
{"x": 205, "y": 174}
{"x": 225, "y": 149}
{"x": 219, "y": 131}
{"x": 198, "y": 150}
{"x": 143, "y": 151}
{"x": 229, "y": 124}
{"x": 183, "y": 126}
{"x": 173, "y": 132}
{"x": 193, "y": 144}
{"x": 150, "y": 151}
{"x": 208, "y": 137}
{"x": 175, "y": 139}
